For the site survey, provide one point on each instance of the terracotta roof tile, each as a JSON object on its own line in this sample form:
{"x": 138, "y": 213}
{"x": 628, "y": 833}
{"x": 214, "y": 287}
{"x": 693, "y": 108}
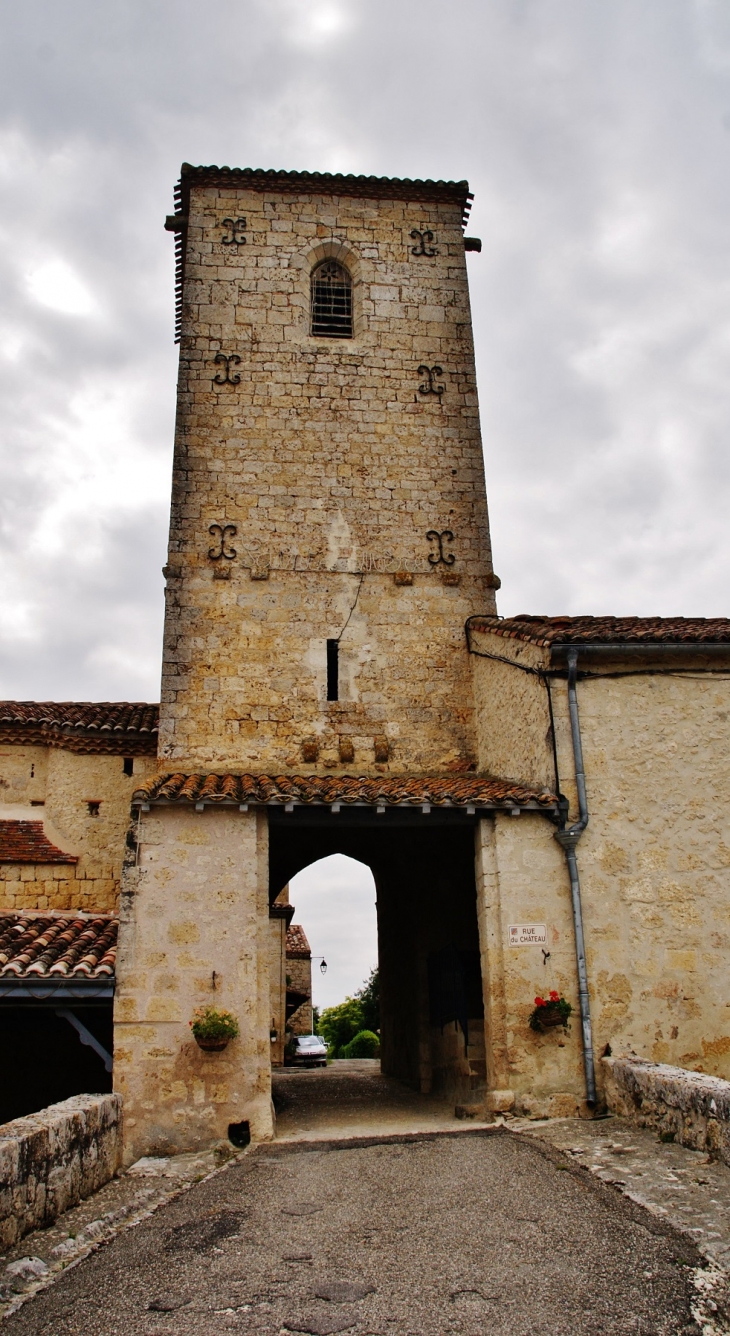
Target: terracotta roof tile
{"x": 26, "y": 842}
{"x": 297, "y": 946}
{"x": 607, "y": 630}
{"x": 119, "y": 727}
{"x": 55, "y": 946}
{"x": 323, "y": 183}
{"x": 310, "y": 789}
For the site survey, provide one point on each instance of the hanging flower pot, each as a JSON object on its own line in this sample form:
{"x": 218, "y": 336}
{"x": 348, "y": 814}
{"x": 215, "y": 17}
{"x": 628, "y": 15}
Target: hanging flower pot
{"x": 211, "y": 1045}
{"x": 212, "y": 1029}
{"x": 549, "y": 1013}
{"x": 550, "y": 1016}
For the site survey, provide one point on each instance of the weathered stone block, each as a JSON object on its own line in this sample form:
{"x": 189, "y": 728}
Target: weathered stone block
{"x": 53, "y": 1159}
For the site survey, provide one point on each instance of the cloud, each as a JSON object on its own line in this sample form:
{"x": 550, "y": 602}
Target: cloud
{"x": 54, "y": 284}
{"x": 335, "y": 903}
{"x": 596, "y": 140}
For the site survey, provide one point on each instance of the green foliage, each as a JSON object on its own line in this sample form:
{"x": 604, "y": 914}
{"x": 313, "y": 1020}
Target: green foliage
{"x": 369, "y": 998}
{"x": 315, "y": 1020}
{"x": 547, "y": 1013}
{"x": 209, "y": 1023}
{"x": 338, "y": 1025}
{"x": 364, "y": 1045}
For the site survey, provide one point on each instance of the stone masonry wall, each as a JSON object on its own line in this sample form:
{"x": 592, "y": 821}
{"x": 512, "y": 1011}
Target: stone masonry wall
{"x": 194, "y": 931}
{"x": 333, "y": 466}
{"x": 61, "y": 786}
{"x": 299, "y": 971}
{"x": 51, "y": 1160}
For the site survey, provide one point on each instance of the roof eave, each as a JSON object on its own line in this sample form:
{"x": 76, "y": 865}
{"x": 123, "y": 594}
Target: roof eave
{"x": 144, "y": 804}
{"x": 631, "y": 648}
{"x": 39, "y": 989}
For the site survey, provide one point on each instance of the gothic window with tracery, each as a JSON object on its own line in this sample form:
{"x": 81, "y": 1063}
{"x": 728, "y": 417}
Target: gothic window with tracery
{"x": 331, "y": 301}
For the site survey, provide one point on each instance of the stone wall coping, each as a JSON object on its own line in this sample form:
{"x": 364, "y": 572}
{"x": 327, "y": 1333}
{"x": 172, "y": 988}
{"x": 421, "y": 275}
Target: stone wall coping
{"x": 688, "y": 1107}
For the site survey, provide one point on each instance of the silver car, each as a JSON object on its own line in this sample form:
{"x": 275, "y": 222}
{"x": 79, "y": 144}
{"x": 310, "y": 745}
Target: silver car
{"x": 307, "y": 1050}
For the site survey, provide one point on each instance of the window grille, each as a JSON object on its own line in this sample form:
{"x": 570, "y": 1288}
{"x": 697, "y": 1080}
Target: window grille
{"x": 331, "y": 301}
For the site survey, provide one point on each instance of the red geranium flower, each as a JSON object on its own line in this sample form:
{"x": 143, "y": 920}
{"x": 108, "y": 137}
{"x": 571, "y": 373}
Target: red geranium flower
{"x": 554, "y": 997}
{"x": 540, "y": 1002}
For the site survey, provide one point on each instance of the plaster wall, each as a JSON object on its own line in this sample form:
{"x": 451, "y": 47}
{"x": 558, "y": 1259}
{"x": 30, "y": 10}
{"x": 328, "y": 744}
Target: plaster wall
{"x": 61, "y": 787}
{"x": 512, "y": 719}
{"x": 521, "y": 879}
{"x": 333, "y": 466}
{"x": 655, "y": 878}
{"x": 23, "y": 772}
{"x": 655, "y": 864}
{"x": 194, "y": 931}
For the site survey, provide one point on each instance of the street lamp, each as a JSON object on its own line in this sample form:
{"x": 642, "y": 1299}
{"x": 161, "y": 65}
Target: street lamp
{"x": 322, "y": 970}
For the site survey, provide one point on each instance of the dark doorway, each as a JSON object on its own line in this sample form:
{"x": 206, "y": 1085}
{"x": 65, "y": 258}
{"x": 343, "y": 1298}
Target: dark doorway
{"x": 46, "y": 1058}
{"x": 432, "y": 1028}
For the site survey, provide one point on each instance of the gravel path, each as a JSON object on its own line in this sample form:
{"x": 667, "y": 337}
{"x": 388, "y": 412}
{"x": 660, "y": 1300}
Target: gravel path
{"x": 479, "y": 1232}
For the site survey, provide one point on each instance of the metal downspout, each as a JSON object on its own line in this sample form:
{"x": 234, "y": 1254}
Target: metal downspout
{"x": 569, "y": 840}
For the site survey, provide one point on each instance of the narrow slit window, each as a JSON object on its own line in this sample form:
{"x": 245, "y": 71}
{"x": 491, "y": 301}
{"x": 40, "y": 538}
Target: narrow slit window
{"x": 128, "y": 765}
{"x": 333, "y": 670}
{"x": 331, "y": 301}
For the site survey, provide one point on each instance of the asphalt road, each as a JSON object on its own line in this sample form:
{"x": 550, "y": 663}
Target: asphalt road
{"x": 474, "y": 1233}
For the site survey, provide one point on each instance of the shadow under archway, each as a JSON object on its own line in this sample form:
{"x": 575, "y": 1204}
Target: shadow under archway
{"x": 432, "y": 1010}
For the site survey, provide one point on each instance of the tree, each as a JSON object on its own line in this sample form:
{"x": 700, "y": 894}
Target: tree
{"x": 338, "y": 1025}
{"x": 369, "y": 998}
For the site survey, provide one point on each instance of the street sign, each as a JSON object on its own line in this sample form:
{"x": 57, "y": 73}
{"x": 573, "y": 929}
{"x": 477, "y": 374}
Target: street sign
{"x": 527, "y": 934}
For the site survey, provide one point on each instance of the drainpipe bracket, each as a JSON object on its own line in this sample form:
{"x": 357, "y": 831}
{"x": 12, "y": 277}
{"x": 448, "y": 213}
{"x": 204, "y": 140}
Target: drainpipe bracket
{"x": 568, "y": 839}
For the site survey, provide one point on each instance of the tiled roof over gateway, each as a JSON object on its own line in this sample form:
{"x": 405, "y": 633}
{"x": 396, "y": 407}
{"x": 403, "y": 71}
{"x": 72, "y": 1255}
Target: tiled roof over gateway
{"x": 57, "y": 946}
{"x": 607, "y": 630}
{"x": 26, "y": 842}
{"x": 297, "y": 946}
{"x": 364, "y": 790}
{"x": 118, "y": 727}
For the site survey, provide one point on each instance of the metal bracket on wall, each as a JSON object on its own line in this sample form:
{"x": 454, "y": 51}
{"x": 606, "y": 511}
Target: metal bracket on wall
{"x": 230, "y": 359}
{"x": 86, "y": 1036}
{"x": 431, "y": 385}
{"x": 424, "y": 240}
{"x": 434, "y": 558}
{"x": 236, "y": 225}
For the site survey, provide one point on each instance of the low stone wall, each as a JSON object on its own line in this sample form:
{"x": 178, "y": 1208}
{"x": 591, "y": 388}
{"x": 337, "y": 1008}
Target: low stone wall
{"x": 687, "y": 1107}
{"x": 51, "y": 1160}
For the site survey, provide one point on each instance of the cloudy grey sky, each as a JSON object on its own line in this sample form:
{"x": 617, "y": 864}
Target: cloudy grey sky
{"x": 596, "y": 138}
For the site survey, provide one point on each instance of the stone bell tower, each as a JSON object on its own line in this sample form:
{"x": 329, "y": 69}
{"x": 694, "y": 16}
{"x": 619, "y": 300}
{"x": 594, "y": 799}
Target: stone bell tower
{"x": 329, "y": 532}
{"x": 328, "y": 540}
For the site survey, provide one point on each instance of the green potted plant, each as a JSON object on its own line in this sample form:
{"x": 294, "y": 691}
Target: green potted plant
{"x": 212, "y": 1028}
{"x": 550, "y": 1011}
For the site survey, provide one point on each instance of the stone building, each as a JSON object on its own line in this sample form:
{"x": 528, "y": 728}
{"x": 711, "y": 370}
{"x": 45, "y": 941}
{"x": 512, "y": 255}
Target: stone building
{"x": 290, "y": 973}
{"x": 67, "y": 775}
{"x": 540, "y": 799}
